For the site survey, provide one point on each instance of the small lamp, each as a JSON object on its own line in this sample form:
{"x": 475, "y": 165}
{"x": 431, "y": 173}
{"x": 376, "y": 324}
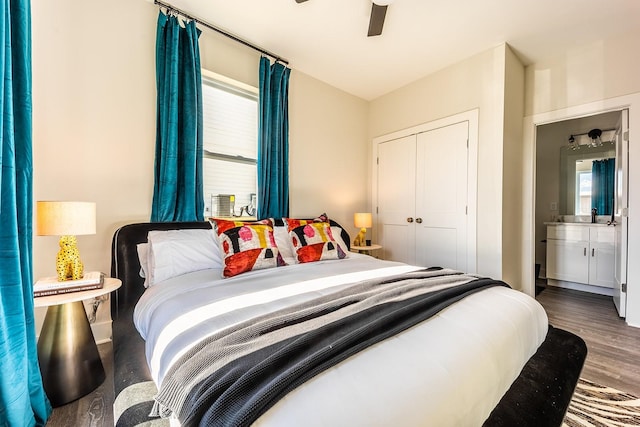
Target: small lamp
{"x": 67, "y": 220}
{"x": 362, "y": 220}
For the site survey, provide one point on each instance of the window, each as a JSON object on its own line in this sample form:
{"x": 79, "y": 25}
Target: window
{"x": 583, "y": 187}
{"x": 230, "y": 142}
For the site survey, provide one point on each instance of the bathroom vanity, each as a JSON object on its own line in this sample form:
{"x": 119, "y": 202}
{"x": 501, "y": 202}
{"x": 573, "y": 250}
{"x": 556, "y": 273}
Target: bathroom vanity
{"x": 581, "y": 256}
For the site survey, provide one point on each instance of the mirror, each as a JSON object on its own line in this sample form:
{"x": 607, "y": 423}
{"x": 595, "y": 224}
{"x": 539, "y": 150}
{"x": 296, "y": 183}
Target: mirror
{"x": 575, "y": 167}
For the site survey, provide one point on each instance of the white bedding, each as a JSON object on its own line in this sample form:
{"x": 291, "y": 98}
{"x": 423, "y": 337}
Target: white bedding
{"x": 449, "y": 370}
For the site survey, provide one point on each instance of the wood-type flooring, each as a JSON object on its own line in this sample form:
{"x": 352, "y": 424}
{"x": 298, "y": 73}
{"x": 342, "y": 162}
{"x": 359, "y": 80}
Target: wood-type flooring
{"x": 613, "y": 357}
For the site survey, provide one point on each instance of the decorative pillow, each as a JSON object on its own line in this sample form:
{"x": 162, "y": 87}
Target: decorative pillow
{"x": 337, "y": 235}
{"x": 313, "y": 240}
{"x": 175, "y": 252}
{"x": 247, "y": 246}
{"x": 283, "y": 242}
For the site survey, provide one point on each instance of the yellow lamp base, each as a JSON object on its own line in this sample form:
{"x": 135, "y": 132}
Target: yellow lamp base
{"x": 68, "y": 264}
{"x": 361, "y": 238}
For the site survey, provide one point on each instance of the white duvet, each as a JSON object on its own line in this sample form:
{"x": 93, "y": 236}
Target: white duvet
{"x": 450, "y": 370}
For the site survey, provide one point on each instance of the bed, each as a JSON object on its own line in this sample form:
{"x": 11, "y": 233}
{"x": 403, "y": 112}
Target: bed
{"x": 482, "y": 354}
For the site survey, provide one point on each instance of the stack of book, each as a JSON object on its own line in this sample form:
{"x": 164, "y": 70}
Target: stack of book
{"x": 51, "y": 286}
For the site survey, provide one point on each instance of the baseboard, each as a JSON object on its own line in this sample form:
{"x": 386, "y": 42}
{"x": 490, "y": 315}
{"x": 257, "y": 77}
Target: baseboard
{"x": 580, "y": 287}
{"x": 101, "y": 331}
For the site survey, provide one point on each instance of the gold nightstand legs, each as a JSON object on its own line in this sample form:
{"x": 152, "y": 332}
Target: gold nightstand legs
{"x": 69, "y": 360}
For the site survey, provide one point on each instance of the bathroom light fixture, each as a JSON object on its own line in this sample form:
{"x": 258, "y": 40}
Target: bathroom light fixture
{"x": 595, "y": 135}
{"x": 573, "y": 144}
{"x": 594, "y": 138}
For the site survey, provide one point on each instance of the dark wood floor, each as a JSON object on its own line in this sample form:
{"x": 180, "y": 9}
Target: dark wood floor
{"x": 613, "y": 357}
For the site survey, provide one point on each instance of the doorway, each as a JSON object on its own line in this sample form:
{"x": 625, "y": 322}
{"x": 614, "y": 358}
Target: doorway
{"x": 575, "y": 243}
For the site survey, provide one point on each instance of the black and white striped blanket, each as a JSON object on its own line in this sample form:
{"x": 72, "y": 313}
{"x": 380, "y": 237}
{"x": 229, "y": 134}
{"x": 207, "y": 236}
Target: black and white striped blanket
{"x": 234, "y": 376}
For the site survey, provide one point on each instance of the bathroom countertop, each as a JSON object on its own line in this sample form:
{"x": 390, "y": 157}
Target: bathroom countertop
{"x": 578, "y": 223}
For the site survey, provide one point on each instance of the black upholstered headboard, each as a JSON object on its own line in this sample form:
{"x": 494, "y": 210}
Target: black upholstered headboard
{"x": 126, "y": 266}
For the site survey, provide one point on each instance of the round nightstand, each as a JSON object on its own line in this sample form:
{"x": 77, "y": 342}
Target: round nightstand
{"x": 69, "y": 360}
{"x": 365, "y": 249}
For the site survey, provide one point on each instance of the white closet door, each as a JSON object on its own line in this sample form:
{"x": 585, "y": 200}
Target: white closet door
{"x": 396, "y": 199}
{"x": 441, "y": 197}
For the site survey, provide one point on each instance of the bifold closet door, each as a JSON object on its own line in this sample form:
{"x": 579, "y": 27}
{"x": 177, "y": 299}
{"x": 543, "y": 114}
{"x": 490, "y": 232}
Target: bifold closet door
{"x": 441, "y": 197}
{"x": 396, "y": 199}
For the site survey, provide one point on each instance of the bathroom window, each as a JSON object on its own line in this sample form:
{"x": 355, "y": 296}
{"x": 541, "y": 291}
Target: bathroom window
{"x": 583, "y": 187}
{"x": 230, "y": 134}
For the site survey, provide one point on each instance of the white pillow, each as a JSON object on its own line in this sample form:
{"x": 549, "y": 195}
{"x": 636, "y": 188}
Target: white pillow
{"x": 143, "y": 257}
{"x": 175, "y": 252}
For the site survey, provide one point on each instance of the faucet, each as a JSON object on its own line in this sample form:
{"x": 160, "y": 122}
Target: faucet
{"x": 594, "y": 212}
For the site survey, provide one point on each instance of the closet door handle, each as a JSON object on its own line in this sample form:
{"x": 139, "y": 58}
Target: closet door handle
{"x": 409, "y": 219}
{"x": 593, "y": 252}
{"x": 584, "y": 251}
{"x": 419, "y": 220}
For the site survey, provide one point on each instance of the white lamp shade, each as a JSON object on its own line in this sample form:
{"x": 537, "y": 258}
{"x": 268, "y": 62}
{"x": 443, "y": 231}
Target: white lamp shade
{"x": 65, "y": 218}
{"x": 362, "y": 220}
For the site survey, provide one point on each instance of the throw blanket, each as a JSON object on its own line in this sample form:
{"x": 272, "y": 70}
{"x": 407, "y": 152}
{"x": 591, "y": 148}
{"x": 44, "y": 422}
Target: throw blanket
{"x": 235, "y": 375}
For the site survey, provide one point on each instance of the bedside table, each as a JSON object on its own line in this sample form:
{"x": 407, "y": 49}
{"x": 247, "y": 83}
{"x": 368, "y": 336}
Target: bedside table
{"x": 69, "y": 361}
{"x": 365, "y": 249}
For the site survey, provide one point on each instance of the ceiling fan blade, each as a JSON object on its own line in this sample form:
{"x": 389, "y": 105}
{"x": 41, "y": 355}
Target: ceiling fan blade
{"x": 300, "y": 1}
{"x": 376, "y": 22}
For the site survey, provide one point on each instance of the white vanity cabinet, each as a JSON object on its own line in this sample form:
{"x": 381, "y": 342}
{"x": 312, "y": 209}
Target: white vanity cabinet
{"x": 581, "y": 253}
{"x": 602, "y": 252}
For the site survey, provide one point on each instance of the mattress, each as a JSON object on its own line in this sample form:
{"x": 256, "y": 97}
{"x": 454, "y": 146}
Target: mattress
{"x": 449, "y": 370}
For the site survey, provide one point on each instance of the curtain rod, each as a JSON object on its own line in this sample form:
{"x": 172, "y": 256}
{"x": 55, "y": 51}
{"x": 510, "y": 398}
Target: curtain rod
{"x": 220, "y": 31}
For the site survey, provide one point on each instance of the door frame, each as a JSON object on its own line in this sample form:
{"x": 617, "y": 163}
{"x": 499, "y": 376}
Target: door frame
{"x": 530, "y": 123}
{"x": 620, "y": 215}
{"x": 471, "y": 117}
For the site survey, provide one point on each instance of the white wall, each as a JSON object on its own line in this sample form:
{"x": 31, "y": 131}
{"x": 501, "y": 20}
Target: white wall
{"x": 93, "y": 118}
{"x": 589, "y": 73}
{"x": 547, "y": 188}
{"x": 94, "y": 121}
{"x": 513, "y": 110}
{"x": 477, "y": 82}
{"x": 328, "y": 142}
{"x": 591, "y": 79}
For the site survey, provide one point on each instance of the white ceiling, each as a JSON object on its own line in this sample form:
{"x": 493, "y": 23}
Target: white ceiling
{"x": 327, "y": 38}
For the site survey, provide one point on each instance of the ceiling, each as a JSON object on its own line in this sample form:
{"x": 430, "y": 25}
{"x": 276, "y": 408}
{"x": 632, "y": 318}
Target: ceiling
{"x": 327, "y": 39}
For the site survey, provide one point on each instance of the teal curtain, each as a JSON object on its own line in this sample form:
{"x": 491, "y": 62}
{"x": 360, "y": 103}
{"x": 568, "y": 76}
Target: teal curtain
{"x": 178, "y": 191}
{"x": 22, "y": 398}
{"x": 603, "y": 185}
{"x": 273, "y": 140}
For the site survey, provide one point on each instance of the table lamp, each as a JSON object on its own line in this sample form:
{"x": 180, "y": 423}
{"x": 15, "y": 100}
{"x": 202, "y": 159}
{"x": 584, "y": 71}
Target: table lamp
{"x": 362, "y": 220}
{"x": 67, "y": 220}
